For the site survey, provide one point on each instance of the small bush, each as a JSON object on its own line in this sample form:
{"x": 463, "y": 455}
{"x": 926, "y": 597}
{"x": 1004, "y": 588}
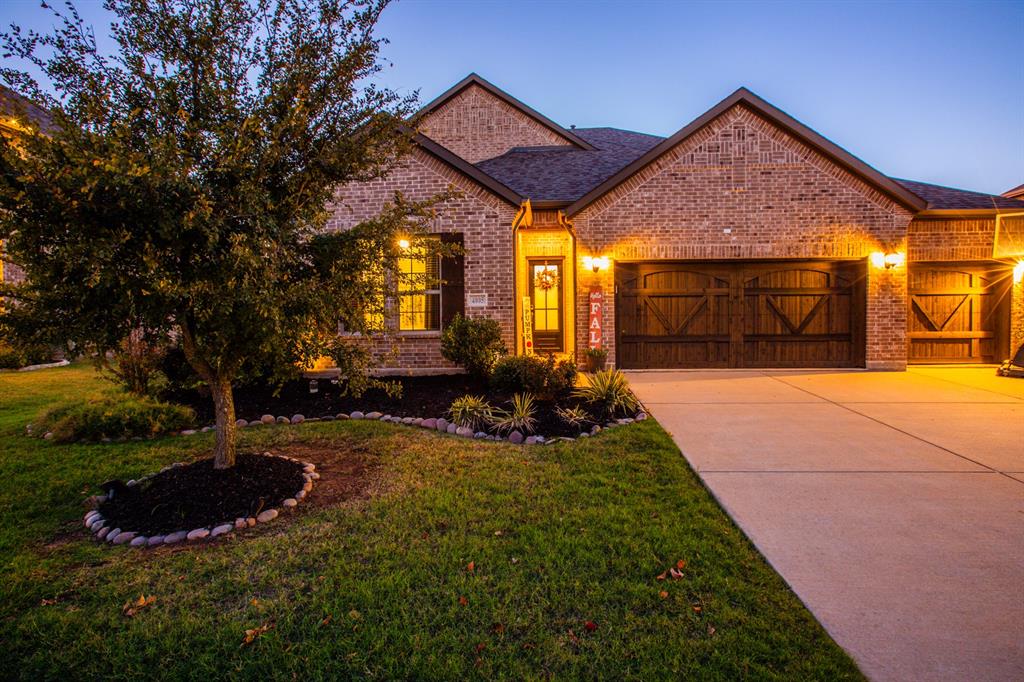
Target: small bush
{"x": 519, "y": 418}
{"x": 471, "y": 411}
{"x": 136, "y": 364}
{"x": 15, "y": 356}
{"x": 574, "y": 417}
{"x": 543, "y": 377}
{"x": 609, "y": 392}
{"x": 596, "y": 359}
{"x": 114, "y": 417}
{"x": 473, "y": 344}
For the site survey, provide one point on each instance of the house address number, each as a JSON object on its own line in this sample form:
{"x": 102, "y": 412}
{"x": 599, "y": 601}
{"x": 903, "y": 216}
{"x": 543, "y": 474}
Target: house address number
{"x": 476, "y": 300}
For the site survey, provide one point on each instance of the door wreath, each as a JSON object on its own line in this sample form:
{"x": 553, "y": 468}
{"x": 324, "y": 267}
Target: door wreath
{"x": 546, "y": 279}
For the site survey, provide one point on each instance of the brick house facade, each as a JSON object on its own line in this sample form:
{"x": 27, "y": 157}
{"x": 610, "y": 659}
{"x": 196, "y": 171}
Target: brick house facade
{"x": 744, "y": 240}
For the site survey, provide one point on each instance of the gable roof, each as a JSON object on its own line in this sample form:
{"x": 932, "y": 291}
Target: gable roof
{"x": 942, "y": 198}
{"x": 562, "y": 174}
{"x": 1015, "y": 193}
{"x": 467, "y": 169}
{"x": 474, "y": 79}
{"x": 745, "y": 97}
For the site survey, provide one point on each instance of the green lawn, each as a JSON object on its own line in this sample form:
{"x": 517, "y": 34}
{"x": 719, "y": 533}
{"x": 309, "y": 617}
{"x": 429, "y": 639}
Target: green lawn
{"x": 378, "y": 587}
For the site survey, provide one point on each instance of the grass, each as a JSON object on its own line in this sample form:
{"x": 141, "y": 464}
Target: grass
{"x": 379, "y": 588}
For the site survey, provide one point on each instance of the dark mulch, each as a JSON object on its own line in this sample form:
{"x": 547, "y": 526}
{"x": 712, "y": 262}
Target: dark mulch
{"x": 197, "y": 495}
{"x": 422, "y": 396}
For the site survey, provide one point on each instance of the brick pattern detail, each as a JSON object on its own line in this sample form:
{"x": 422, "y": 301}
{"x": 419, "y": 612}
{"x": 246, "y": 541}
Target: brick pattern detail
{"x": 778, "y": 197}
{"x": 485, "y": 222}
{"x": 931, "y": 239}
{"x": 476, "y": 125}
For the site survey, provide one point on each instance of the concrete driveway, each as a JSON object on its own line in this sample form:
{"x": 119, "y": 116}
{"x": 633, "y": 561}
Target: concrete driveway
{"x": 892, "y": 503}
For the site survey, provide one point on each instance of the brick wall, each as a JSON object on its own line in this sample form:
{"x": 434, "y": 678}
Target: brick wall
{"x": 476, "y": 125}
{"x": 778, "y": 197}
{"x": 939, "y": 239}
{"x": 483, "y": 219}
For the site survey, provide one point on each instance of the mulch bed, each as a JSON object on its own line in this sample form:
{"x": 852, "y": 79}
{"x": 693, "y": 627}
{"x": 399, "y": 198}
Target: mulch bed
{"x": 197, "y": 495}
{"x": 422, "y": 396}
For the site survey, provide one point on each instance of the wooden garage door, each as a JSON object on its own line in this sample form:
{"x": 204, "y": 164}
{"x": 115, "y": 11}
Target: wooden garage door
{"x": 740, "y": 314}
{"x": 959, "y": 312}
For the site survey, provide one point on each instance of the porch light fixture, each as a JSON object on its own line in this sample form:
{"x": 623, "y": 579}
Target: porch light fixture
{"x": 888, "y": 260}
{"x": 596, "y": 264}
{"x": 403, "y": 244}
{"x": 1018, "y": 272}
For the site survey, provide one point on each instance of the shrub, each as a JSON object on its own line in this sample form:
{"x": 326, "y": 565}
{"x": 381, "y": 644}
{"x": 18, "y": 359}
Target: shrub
{"x": 121, "y": 416}
{"x": 15, "y": 356}
{"x": 471, "y": 411}
{"x": 354, "y": 362}
{"x": 541, "y": 376}
{"x": 575, "y": 417}
{"x": 136, "y": 364}
{"x": 519, "y": 418}
{"x": 596, "y": 359}
{"x": 473, "y": 344}
{"x": 609, "y": 392}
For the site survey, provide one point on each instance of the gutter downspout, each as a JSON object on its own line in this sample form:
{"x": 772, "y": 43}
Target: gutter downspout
{"x": 523, "y": 217}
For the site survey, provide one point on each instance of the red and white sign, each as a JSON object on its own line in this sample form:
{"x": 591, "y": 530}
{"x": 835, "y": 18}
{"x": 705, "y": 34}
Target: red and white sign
{"x": 596, "y": 317}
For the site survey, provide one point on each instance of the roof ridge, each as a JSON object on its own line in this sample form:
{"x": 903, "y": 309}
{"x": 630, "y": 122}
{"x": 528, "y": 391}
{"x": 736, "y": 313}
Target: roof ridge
{"x": 935, "y": 184}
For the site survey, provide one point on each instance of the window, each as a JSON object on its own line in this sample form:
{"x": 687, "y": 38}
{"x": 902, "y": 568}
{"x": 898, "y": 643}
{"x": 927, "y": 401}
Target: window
{"x": 419, "y": 287}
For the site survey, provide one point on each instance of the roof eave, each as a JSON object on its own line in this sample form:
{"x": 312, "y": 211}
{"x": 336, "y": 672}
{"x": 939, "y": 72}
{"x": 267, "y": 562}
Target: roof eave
{"x": 968, "y": 212}
{"x": 474, "y": 79}
{"x": 743, "y": 96}
{"x": 469, "y": 170}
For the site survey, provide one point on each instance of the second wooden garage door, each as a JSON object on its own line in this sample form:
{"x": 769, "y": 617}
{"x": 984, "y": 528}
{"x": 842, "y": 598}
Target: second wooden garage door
{"x": 740, "y": 314}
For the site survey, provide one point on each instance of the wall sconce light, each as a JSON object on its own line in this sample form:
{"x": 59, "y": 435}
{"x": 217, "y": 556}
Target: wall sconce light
{"x": 595, "y": 264}
{"x": 403, "y": 243}
{"x": 888, "y": 260}
{"x": 1018, "y": 272}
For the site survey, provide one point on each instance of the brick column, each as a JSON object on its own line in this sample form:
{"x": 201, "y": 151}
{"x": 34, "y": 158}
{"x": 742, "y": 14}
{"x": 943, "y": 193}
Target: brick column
{"x": 1016, "y": 317}
{"x": 887, "y": 318}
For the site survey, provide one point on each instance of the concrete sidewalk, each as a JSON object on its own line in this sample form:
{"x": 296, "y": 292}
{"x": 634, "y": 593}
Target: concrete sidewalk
{"x": 892, "y": 503}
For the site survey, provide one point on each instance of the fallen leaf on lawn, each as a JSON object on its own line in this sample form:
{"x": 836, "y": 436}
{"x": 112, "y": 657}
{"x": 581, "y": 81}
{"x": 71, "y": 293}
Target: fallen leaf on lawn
{"x": 498, "y": 629}
{"x": 463, "y": 601}
{"x": 711, "y": 631}
{"x": 676, "y": 575}
{"x": 327, "y": 619}
{"x": 251, "y": 635}
{"x": 515, "y": 560}
{"x": 697, "y": 609}
{"x": 573, "y": 638}
{"x": 498, "y": 533}
{"x": 663, "y": 594}
{"x": 590, "y": 626}
{"x": 529, "y": 645}
{"x": 425, "y": 535}
{"x": 130, "y": 608}
{"x": 48, "y": 602}
{"x": 471, "y": 566}
{"x": 681, "y": 564}
{"x": 661, "y": 576}
{"x": 481, "y": 646}
{"x": 354, "y": 615}
{"x": 254, "y": 602}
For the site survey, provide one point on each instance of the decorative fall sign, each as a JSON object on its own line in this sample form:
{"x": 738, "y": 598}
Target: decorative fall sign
{"x": 527, "y": 325}
{"x": 596, "y": 317}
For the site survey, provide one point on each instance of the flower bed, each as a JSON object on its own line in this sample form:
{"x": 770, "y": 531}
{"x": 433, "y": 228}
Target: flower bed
{"x": 193, "y": 502}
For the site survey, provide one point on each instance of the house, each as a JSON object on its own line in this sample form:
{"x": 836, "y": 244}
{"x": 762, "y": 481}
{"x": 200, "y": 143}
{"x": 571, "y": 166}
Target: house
{"x": 745, "y": 239}
{"x": 1015, "y": 193}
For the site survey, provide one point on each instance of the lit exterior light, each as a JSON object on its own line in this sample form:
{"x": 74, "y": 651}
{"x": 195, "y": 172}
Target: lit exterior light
{"x": 1018, "y": 272}
{"x": 888, "y": 260}
{"x": 403, "y": 243}
{"x": 595, "y": 264}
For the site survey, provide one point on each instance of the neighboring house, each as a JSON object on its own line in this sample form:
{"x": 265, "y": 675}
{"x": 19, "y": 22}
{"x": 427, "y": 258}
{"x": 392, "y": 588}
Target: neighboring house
{"x": 743, "y": 240}
{"x": 1015, "y": 193}
{"x": 15, "y": 112}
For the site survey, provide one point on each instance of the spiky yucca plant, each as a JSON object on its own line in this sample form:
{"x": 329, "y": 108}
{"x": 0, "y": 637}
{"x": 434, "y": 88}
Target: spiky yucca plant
{"x": 575, "y": 417}
{"x": 471, "y": 411}
{"x": 609, "y": 392}
{"x": 519, "y": 418}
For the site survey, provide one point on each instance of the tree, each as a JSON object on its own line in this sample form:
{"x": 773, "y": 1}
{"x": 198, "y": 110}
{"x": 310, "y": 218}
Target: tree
{"x": 183, "y": 190}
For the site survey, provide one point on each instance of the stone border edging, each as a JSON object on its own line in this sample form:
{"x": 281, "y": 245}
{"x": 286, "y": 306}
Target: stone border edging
{"x": 431, "y": 423}
{"x": 95, "y": 522}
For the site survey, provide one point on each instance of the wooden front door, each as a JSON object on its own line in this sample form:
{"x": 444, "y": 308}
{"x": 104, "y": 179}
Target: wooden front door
{"x": 959, "y": 312}
{"x": 546, "y": 295}
{"x": 740, "y": 314}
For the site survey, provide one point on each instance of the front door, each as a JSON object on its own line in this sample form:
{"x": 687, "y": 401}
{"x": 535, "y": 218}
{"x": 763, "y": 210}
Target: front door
{"x": 546, "y": 296}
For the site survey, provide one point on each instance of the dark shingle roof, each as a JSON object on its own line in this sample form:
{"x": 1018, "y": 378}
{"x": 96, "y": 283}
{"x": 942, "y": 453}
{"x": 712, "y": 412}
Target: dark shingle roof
{"x": 567, "y": 173}
{"x": 939, "y": 197}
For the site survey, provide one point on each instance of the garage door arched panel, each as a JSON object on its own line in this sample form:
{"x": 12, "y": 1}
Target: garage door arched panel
{"x": 958, "y": 312}
{"x": 740, "y": 314}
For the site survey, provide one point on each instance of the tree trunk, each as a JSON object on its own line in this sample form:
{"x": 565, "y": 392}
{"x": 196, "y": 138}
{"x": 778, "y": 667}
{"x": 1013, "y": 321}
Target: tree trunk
{"x": 224, "y": 410}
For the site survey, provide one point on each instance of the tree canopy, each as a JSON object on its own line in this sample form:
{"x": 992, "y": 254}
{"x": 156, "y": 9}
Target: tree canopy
{"x": 184, "y": 188}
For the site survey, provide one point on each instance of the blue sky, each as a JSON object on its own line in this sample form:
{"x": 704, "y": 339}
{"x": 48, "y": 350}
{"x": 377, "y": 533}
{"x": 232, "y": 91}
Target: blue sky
{"x": 927, "y": 91}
